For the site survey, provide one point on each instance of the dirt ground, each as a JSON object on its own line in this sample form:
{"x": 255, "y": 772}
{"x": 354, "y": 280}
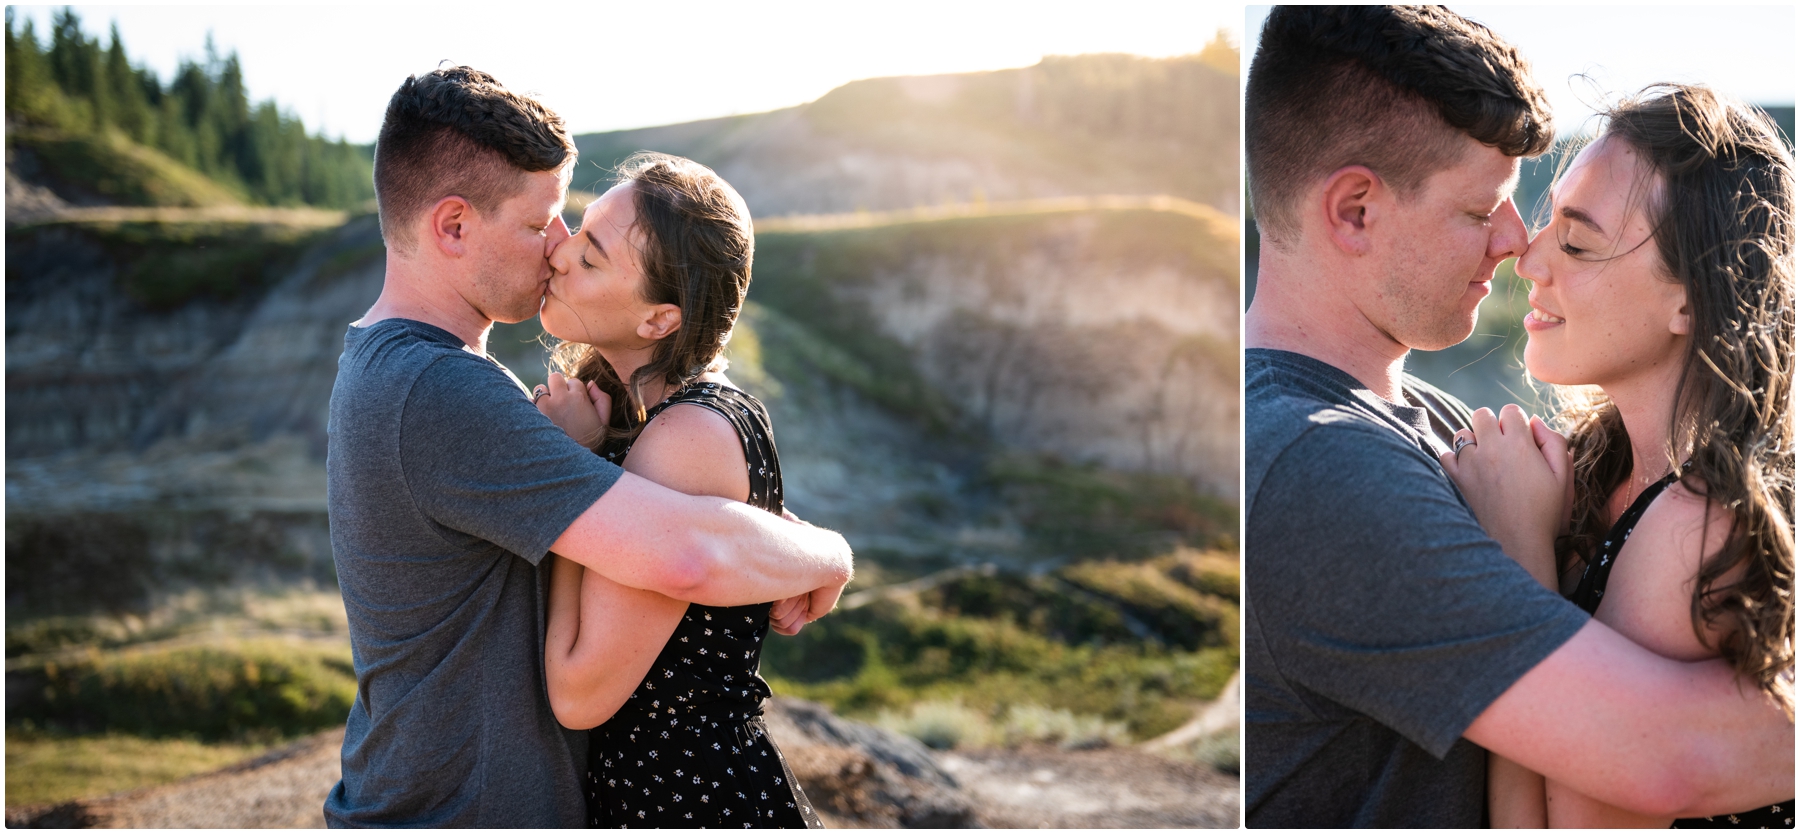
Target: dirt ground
{"x": 1029, "y": 787}
{"x": 1043, "y": 787}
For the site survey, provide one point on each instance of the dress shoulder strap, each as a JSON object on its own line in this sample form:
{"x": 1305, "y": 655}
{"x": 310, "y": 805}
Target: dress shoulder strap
{"x": 1593, "y": 578}
{"x": 750, "y": 418}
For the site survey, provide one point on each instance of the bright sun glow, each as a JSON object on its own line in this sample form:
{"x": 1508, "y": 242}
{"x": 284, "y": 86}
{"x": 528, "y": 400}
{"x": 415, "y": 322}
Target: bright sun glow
{"x": 612, "y": 66}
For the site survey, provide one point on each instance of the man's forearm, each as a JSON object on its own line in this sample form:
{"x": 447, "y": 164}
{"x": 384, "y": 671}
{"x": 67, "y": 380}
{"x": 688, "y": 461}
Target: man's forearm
{"x": 712, "y": 551}
{"x": 752, "y": 556}
{"x": 1633, "y": 729}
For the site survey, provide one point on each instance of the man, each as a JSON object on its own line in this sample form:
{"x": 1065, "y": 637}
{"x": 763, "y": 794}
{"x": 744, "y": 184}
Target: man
{"x": 446, "y": 487}
{"x": 1386, "y": 634}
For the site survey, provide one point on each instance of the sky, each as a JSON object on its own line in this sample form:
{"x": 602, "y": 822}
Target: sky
{"x": 610, "y": 65}
{"x": 1747, "y": 51}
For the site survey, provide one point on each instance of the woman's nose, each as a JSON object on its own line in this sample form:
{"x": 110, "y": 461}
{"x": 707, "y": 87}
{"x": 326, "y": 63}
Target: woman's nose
{"x": 1530, "y": 265}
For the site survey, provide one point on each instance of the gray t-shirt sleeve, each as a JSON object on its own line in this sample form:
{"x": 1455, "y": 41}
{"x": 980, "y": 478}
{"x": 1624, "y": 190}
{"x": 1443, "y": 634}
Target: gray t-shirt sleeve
{"x": 481, "y": 461}
{"x": 1381, "y": 593}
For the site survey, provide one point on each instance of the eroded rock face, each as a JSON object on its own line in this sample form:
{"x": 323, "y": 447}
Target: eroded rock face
{"x": 861, "y": 776}
{"x": 89, "y": 367}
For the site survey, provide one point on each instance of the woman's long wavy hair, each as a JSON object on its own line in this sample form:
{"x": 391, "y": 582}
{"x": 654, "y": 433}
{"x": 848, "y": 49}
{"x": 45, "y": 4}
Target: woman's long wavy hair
{"x": 1723, "y": 216}
{"x": 695, "y": 243}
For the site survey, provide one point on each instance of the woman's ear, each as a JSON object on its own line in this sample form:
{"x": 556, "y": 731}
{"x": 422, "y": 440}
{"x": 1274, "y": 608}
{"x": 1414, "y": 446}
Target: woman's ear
{"x": 663, "y": 320}
{"x": 1681, "y": 324}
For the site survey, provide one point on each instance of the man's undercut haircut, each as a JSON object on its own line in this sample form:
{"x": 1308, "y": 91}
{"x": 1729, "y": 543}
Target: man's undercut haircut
{"x": 1392, "y": 88}
{"x": 456, "y": 131}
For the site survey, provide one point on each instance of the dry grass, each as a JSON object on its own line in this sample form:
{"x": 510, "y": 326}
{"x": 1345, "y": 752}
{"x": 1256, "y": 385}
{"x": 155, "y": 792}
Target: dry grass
{"x": 45, "y": 768}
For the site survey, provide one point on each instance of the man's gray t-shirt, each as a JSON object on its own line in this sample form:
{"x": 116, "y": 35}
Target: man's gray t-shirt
{"x": 446, "y": 488}
{"x": 1380, "y": 619}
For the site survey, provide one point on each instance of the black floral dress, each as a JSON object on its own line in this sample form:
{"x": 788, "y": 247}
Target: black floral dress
{"x": 1588, "y": 595}
{"x": 688, "y": 749}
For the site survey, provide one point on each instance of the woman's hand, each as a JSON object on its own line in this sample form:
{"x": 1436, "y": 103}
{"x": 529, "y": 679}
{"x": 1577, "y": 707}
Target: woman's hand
{"x": 581, "y": 411}
{"x": 788, "y": 616}
{"x": 1517, "y": 476}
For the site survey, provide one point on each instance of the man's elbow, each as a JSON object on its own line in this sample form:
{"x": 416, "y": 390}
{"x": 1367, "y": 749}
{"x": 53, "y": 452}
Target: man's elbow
{"x": 691, "y": 572}
{"x": 1676, "y": 795}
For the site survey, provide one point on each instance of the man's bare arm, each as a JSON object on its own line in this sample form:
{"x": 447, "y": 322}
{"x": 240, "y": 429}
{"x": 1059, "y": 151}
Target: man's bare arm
{"x": 1625, "y": 726}
{"x": 709, "y": 550}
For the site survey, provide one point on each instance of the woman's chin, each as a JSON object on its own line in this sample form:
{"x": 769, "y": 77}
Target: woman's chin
{"x": 1544, "y": 368}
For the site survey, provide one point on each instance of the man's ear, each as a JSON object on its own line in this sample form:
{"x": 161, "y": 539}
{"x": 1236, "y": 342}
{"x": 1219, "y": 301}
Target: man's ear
{"x": 663, "y": 320}
{"x": 450, "y": 224}
{"x": 1350, "y": 201}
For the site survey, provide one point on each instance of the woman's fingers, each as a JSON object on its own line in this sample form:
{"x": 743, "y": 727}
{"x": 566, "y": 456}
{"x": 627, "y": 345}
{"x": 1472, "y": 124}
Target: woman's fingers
{"x": 602, "y": 402}
{"x": 1448, "y": 461}
{"x": 1512, "y": 421}
{"x": 1554, "y": 446}
{"x": 1485, "y": 425}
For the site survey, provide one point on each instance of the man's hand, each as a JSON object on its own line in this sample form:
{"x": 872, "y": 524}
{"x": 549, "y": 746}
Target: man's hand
{"x": 580, "y": 411}
{"x": 1517, "y": 478}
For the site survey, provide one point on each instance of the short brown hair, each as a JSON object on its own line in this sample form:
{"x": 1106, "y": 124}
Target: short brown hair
{"x": 1393, "y": 88}
{"x": 696, "y": 246}
{"x": 456, "y": 130}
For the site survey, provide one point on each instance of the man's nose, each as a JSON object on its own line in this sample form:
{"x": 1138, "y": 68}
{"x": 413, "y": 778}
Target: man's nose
{"x": 1509, "y": 237}
{"x": 555, "y": 233}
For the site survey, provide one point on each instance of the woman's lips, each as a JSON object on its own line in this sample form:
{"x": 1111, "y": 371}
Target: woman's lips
{"x": 1540, "y": 320}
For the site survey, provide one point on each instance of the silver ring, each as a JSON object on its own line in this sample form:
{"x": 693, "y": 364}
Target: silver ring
{"x": 1462, "y": 441}
{"x": 539, "y": 394}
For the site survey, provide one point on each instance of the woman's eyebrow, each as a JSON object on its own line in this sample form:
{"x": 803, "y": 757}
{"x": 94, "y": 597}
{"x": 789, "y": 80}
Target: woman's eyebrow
{"x": 596, "y": 242}
{"x": 1581, "y": 217}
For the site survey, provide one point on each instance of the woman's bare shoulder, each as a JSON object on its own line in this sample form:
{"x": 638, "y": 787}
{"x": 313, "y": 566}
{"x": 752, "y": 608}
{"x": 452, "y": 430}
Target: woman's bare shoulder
{"x": 1649, "y": 592}
{"x": 693, "y": 449}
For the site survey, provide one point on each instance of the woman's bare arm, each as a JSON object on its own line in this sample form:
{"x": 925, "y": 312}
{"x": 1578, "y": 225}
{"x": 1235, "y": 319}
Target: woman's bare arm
{"x": 603, "y": 637}
{"x": 698, "y": 547}
{"x": 1646, "y": 600}
{"x": 1515, "y": 795}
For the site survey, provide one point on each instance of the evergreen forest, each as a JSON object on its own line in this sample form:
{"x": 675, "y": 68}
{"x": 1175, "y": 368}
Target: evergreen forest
{"x": 76, "y": 90}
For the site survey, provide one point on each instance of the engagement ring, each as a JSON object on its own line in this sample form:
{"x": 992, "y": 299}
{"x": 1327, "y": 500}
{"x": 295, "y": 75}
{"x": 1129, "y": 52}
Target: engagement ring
{"x": 1462, "y": 441}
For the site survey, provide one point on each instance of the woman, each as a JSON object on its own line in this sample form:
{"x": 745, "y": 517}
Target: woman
{"x": 1664, "y": 283}
{"x": 644, "y": 298}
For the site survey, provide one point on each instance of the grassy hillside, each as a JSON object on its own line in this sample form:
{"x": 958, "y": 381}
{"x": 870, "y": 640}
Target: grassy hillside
{"x": 1088, "y": 124}
{"x": 1034, "y": 593}
{"x": 107, "y": 168}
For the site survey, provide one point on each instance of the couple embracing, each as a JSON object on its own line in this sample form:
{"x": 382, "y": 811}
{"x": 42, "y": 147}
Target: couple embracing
{"x": 557, "y": 598}
{"x": 1459, "y": 618}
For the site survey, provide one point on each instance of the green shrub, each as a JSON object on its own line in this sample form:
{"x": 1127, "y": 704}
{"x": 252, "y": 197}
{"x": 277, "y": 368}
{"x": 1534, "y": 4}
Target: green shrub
{"x": 940, "y": 725}
{"x": 888, "y": 656}
{"x": 1183, "y": 616}
{"x": 245, "y": 689}
{"x": 1032, "y": 723}
{"x": 1218, "y": 750}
